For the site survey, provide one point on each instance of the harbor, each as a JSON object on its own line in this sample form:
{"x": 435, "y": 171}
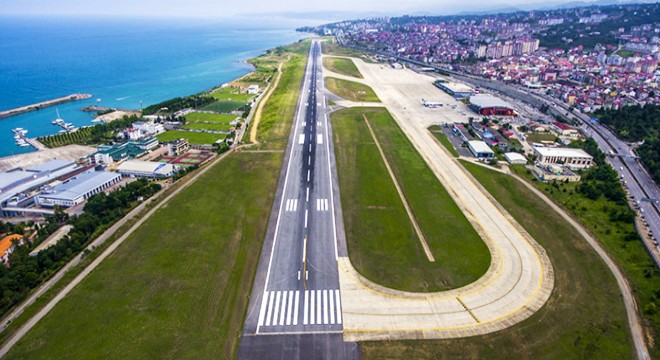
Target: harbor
{"x": 43, "y": 104}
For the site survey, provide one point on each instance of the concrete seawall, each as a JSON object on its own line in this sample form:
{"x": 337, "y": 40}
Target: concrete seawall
{"x": 44, "y": 104}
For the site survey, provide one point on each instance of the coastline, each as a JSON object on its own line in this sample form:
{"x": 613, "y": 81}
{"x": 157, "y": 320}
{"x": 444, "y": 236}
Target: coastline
{"x": 74, "y": 152}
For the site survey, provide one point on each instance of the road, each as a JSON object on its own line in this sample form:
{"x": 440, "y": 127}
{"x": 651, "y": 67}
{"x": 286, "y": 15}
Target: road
{"x": 295, "y": 307}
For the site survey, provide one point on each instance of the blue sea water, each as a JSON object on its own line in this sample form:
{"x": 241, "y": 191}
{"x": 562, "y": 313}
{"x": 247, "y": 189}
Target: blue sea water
{"x": 125, "y": 63}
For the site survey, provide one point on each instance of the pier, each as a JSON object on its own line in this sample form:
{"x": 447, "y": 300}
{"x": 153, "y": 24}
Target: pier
{"x": 44, "y": 104}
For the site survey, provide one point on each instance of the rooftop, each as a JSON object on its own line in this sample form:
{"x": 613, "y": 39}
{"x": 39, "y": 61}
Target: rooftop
{"x": 6, "y": 243}
{"x": 146, "y": 166}
{"x": 480, "y": 146}
{"x": 487, "y": 101}
{"x": 456, "y": 87}
{"x": 514, "y": 156}
{"x": 562, "y": 152}
{"x": 80, "y": 184}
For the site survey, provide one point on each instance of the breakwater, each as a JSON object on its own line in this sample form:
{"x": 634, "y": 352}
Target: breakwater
{"x": 43, "y": 104}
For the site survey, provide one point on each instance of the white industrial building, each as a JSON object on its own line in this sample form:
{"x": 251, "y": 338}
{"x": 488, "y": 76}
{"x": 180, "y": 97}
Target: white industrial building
{"x": 571, "y": 158}
{"x": 480, "y": 149}
{"x": 148, "y": 169}
{"x": 76, "y": 189}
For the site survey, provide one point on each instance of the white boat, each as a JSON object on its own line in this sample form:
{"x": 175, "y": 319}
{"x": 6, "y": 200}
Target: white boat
{"x": 59, "y": 120}
{"x": 19, "y": 131}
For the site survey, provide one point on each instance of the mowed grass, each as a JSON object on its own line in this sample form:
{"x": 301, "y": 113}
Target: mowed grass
{"x": 351, "y": 90}
{"x": 277, "y": 116}
{"x": 342, "y": 66}
{"x": 224, "y": 106}
{"x": 214, "y": 118}
{"x": 584, "y": 318}
{"x": 204, "y": 126}
{"x": 234, "y": 97}
{"x": 192, "y": 137}
{"x": 442, "y": 138}
{"x": 179, "y": 286}
{"x": 382, "y": 243}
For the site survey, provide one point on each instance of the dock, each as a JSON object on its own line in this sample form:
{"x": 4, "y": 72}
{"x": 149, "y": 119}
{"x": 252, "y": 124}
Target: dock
{"x": 44, "y": 104}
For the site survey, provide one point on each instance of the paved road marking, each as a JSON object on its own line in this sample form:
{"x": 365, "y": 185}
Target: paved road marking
{"x": 312, "y": 306}
{"x": 325, "y": 306}
{"x": 264, "y": 305}
{"x": 281, "y": 308}
{"x": 318, "y": 123}
{"x": 276, "y": 309}
{"x": 301, "y": 139}
{"x": 321, "y": 204}
{"x": 319, "y": 139}
{"x": 291, "y": 204}
{"x": 270, "y": 310}
{"x": 306, "y": 308}
{"x": 295, "y": 308}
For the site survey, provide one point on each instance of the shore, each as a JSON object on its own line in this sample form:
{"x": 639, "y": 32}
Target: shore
{"x": 43, "y": 104}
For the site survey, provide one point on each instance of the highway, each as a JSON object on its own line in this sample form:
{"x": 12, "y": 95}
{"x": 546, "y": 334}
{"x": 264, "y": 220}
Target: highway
{"x": 295, "y": 306}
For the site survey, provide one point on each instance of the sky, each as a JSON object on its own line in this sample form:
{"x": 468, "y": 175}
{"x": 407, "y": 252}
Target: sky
{"x": 234, "y": 8}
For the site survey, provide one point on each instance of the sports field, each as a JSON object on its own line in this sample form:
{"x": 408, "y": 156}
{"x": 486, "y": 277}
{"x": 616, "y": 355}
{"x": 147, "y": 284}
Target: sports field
{"x": 230, "y": 93}
{"x": 211, "y": 118}
{"x": 204, "y": 126}
{"x": 382, "y": 244}
{"x": 192, "y": 137}
{"x": 224, "y": 106}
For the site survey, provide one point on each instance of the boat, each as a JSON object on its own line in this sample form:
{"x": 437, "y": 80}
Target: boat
{"x": 59, "y": 120}
{"x": 19, "y": 131}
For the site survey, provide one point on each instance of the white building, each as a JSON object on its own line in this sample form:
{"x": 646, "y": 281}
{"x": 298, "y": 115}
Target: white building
{"x": 77, "y": 189}
{"x": 480, "y": 149}
{"x": 571, "y": 158}
{"x": 148, "y": 169}
{"x": 253, "y": 89}
{"x": 515, "y": 158}
{"x": 149, "y": 127}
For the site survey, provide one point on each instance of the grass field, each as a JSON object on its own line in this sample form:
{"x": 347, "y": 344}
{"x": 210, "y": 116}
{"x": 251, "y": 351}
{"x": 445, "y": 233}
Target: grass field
{"x": 629, "y": 253}
{"x": 381, "y": 241}
{"x": 224, "y": 106}
{"x": 351, "y": 90}
{"x": 437, "y": 132}
{"x": 583, "y": 319}
{"x": 342, "y": 66}
{"x": 192, "y": 137}
{"x": 231, "y": 93}
{"x": 179, "y": 286}
{"x": 164, "y": 294}
{"x": 538, "y": 137}
{"x": 330, "y": 47}
{"x": 214, "y": 118}
{"x": 203, "y": 126}
{"x": 278, "y": 114}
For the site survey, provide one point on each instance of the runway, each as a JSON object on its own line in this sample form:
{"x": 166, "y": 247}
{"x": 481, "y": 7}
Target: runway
{"x": 296, "y": 297}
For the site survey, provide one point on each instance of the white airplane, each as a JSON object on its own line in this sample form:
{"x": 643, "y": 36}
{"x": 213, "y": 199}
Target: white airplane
{"x": 431, "y": 104}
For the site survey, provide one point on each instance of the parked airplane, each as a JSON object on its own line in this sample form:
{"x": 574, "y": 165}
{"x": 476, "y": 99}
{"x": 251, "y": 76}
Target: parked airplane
{"x": 431, "y": 104}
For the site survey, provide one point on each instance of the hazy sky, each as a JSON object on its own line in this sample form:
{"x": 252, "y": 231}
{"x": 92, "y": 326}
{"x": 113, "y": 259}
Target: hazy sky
{"x": 225, "y": 8}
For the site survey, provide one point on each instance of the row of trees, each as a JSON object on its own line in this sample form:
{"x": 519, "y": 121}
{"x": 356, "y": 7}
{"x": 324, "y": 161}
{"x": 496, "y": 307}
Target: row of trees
{"x": 96, "y": 134}
{"x": 176, "y": 104}
{"x": 27, "y": 272}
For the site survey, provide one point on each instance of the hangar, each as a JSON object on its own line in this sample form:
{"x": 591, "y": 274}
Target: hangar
{"x": 488, "y": 105}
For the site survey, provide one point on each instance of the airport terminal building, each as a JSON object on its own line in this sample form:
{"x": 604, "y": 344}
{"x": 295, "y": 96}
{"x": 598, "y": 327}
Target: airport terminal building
{"x": 77, "y": 189}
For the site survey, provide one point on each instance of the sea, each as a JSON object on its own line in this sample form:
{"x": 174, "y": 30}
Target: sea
{"x": 124, "y": 63}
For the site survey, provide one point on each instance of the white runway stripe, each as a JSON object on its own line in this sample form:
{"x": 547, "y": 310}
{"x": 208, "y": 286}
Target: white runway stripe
{"x": 312, "y": 306}
{"x": 325, "y": 306}
{"x": 319, "y": 305}
{"x": 301, "y": 139}
{"x": 281, "y": 308}
{"x": 291, "y": 204}
{"x": 321, "y": 204}
{"x": 262, "y": 311}
{"x": 306, "y": 308}
{"x": 319, "y": 139}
